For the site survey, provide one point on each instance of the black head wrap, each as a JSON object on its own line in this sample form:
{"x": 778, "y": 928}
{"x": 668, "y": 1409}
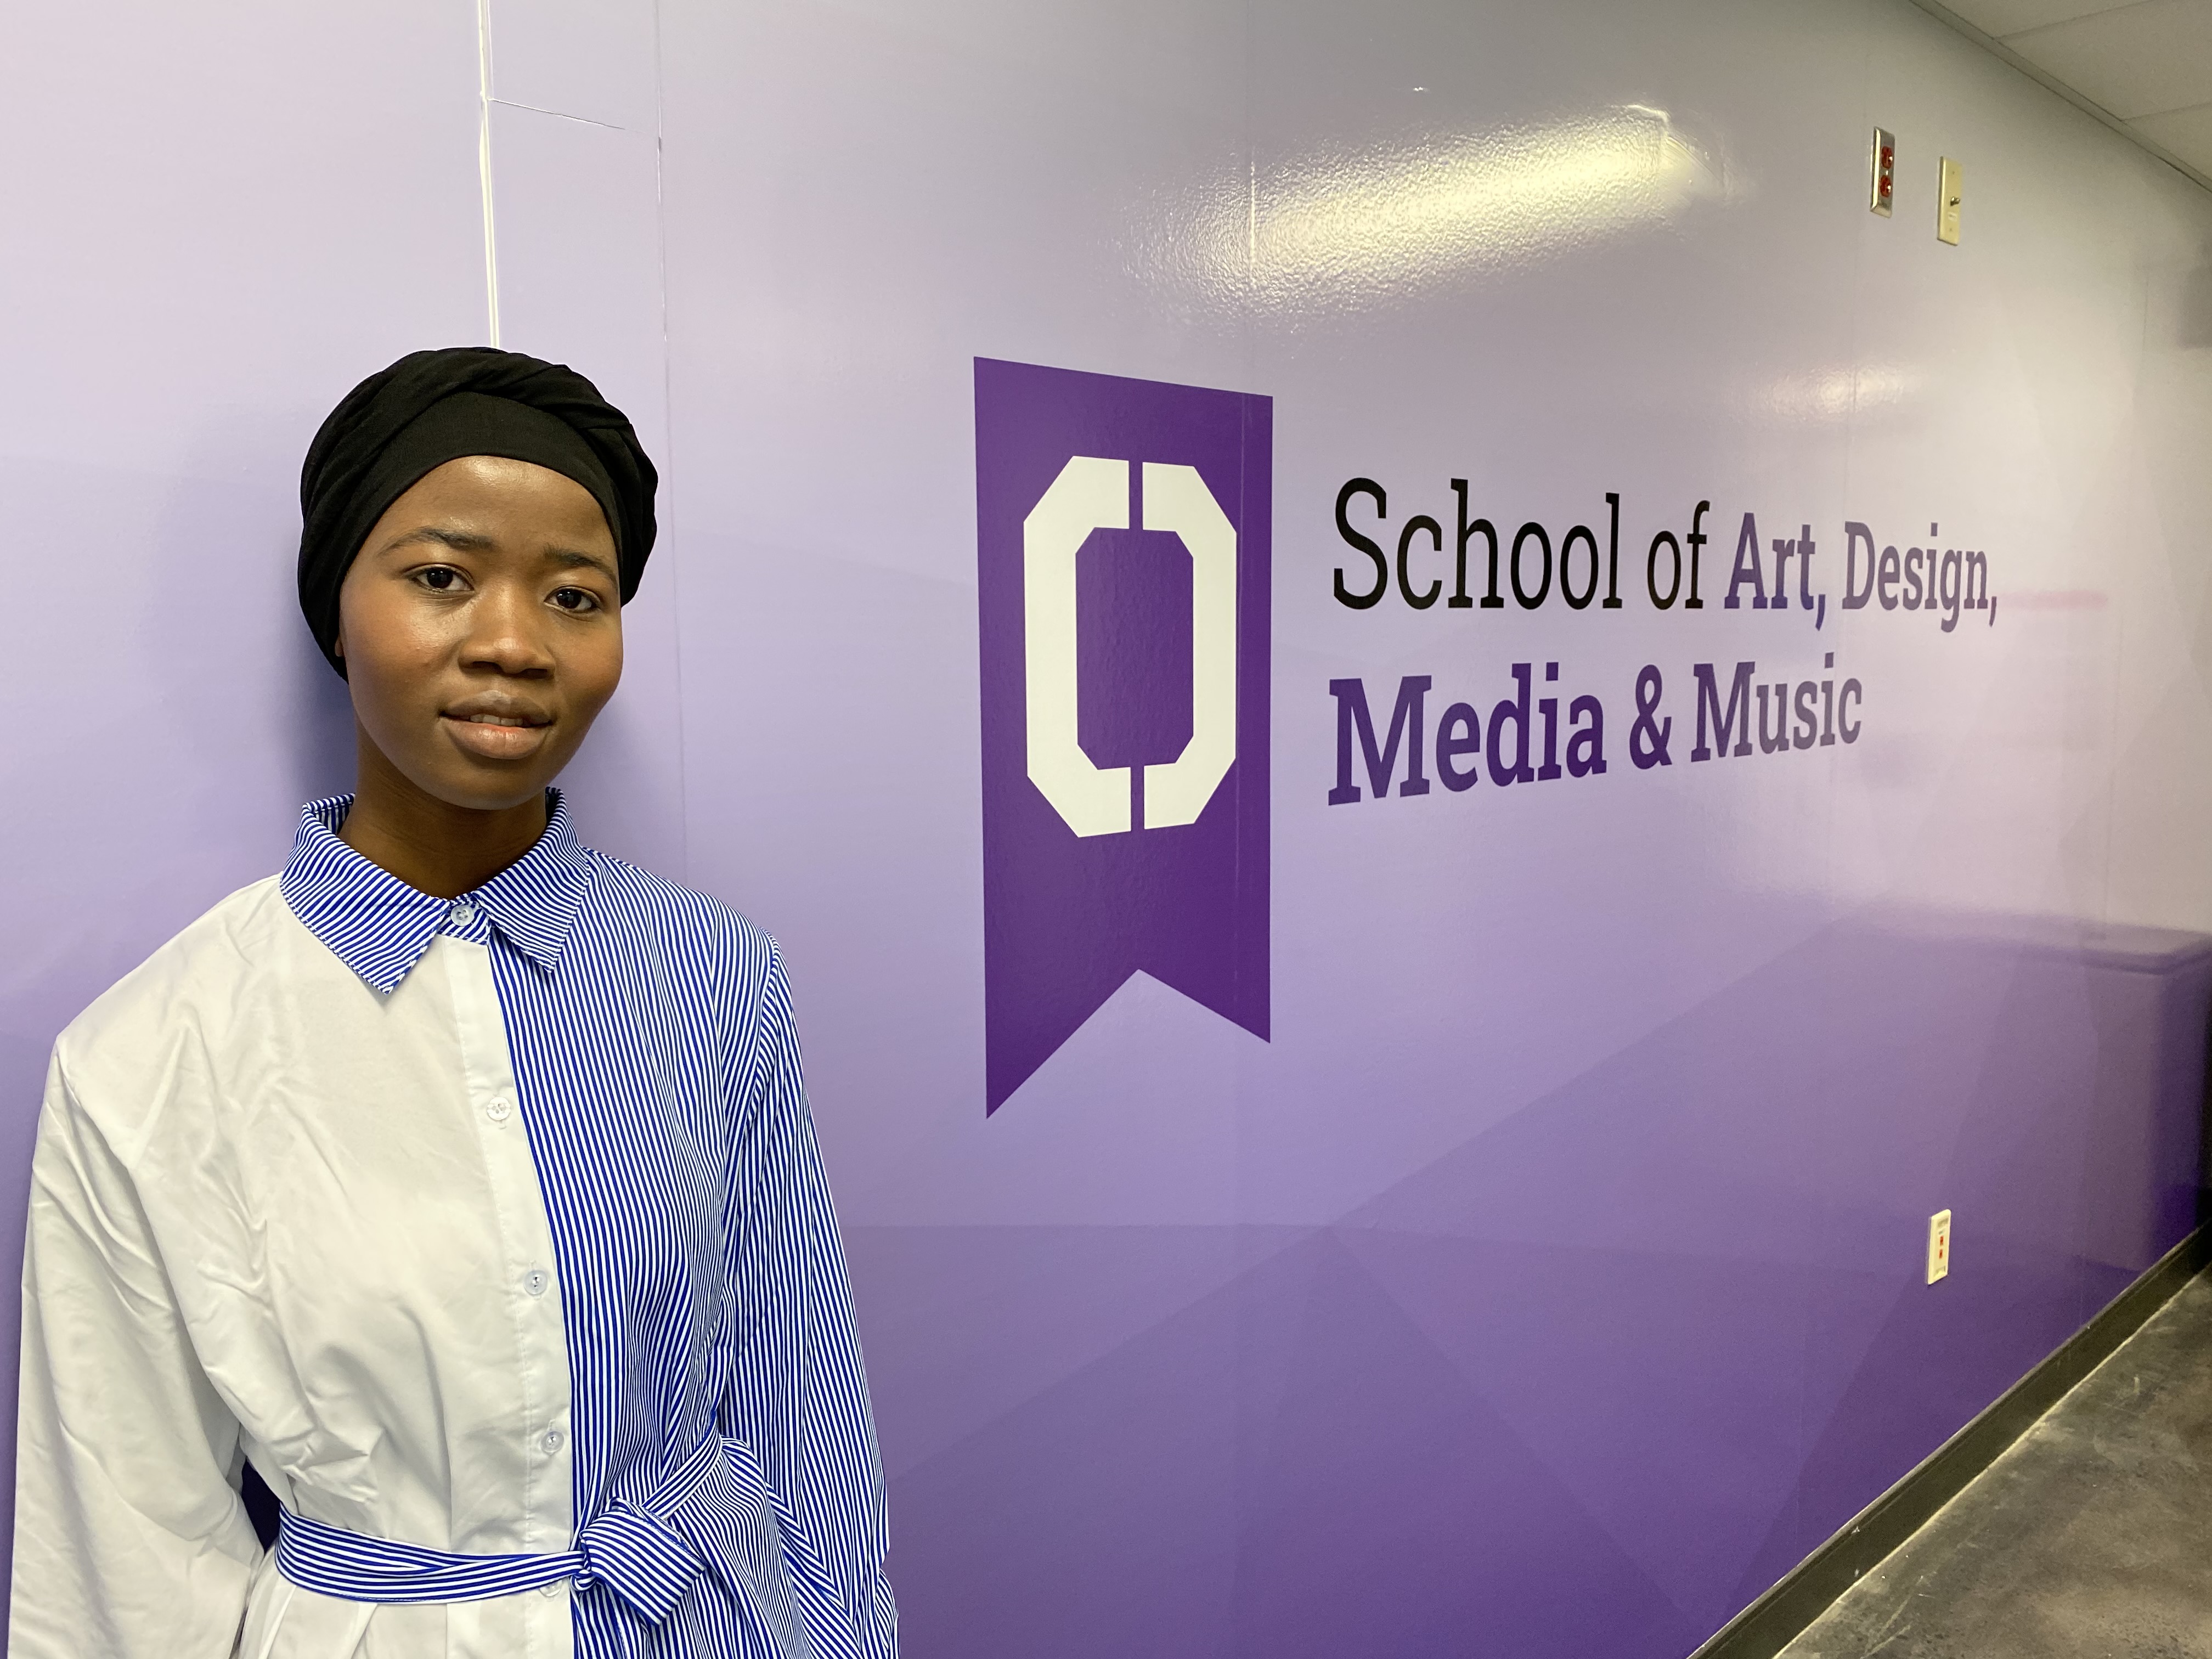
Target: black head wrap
{"x": 432, "y": 407}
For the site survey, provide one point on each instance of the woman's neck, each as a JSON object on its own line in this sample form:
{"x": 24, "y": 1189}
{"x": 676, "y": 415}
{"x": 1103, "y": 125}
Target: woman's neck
{"x": 432, "y": 845}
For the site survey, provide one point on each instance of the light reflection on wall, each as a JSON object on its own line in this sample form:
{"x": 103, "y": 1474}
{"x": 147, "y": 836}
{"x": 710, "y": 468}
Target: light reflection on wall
{"x": 1837, "y": 393}
{"x": 1338, "y": 232}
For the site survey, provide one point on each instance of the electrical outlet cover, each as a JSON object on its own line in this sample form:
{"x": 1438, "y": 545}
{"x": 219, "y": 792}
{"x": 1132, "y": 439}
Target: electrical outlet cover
{"x": 1950, "y": 193}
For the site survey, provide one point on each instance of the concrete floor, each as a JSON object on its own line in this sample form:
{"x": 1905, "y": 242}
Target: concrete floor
{"x": 2091, "y": 1536}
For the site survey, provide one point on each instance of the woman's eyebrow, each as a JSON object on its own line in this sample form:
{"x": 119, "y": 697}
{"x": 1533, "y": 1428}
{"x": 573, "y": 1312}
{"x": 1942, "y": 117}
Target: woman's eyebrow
{"x": 569, "y": 558}
{"x": 460, "y": 540}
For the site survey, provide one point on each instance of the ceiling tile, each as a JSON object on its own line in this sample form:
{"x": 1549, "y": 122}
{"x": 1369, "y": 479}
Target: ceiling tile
{"x": 2186, "y": 133}
{"x": 2135, "y": 60}
{"x": 2003, "y": 17}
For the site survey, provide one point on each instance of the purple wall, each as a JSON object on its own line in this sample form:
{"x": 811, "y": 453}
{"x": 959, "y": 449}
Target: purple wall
{"x": 1548, "y": 1281}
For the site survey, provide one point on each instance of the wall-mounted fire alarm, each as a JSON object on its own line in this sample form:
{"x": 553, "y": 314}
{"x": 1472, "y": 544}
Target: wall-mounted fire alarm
{"x": 1947, "y": 196}
{"x": 1884, "y": 172}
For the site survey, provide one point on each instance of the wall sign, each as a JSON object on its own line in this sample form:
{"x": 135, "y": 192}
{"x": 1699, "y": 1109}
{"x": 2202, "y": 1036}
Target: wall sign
{"x": 1122, "y": 550}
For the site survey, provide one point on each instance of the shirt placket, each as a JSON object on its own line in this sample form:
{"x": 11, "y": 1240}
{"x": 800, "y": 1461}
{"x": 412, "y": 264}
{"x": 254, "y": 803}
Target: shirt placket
{"x": 542, "y": 1416}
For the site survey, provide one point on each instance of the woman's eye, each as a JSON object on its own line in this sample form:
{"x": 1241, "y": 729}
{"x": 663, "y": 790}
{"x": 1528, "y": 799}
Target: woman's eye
{"x": 575, "y": 598}
{"x": 439, "y": 579}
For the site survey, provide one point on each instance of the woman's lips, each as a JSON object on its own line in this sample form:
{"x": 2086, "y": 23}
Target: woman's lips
{"x": 490, "y": 737}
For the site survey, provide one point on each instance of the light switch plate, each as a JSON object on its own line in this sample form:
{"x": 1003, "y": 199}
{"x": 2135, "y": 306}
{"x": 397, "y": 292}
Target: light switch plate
{"x": 1883, "y": 187}
{"x": 1948, "y": 195}
{"x": 1939, "y": 1245}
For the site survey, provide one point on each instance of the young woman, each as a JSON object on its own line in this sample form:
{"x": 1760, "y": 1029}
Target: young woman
{"x": 460, "y": 1178}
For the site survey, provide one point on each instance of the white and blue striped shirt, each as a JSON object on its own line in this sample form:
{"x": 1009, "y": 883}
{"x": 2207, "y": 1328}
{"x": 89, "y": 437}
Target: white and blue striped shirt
{"x": 433, "y": 1209}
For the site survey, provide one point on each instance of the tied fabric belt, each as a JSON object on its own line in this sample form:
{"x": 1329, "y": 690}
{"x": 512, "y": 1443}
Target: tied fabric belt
{"x": 650, "y": 1554}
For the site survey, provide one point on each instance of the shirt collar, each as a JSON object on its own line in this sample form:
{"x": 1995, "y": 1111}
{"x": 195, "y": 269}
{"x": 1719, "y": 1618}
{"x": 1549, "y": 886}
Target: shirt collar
{"x": 380, "y": 926}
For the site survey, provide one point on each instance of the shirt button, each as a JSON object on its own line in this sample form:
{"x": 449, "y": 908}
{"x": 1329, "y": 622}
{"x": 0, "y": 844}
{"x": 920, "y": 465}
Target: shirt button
{"x": 553, "y": 1589}
{"x": 499, "y": 1111}
{"x": 551, "y": 1440}
{"x": 463, "y": 914}
{"x": 535, "y": 1280}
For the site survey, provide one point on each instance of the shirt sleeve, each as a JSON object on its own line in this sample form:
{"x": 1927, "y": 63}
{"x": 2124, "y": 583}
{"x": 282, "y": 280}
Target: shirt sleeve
{"x": 799, "y": 1394}
{"x": 130, "y": 1539}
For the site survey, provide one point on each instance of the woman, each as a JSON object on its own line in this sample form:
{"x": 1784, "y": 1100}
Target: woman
{"x": 460, "y": 1177}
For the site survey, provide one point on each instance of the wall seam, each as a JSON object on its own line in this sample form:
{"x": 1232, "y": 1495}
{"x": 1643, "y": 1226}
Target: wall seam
{"x": 668, "y": 429}
{"x": 558, "y": 115}
{"x": 483, "y": 167}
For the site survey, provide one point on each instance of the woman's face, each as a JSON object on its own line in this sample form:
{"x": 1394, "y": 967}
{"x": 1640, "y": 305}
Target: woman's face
{"x": 481, "y": 626}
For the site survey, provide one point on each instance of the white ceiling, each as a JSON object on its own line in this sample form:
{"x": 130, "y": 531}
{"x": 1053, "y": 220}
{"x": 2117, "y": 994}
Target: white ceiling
{"x": 2147, "y": 63}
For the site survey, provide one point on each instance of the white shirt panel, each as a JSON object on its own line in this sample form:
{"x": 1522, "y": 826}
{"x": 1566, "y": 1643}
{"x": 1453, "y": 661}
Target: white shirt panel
{"x": 276, "y": 1214}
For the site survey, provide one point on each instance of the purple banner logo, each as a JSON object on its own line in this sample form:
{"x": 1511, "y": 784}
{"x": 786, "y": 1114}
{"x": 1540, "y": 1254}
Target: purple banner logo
{"x": 1122, "y": 543}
